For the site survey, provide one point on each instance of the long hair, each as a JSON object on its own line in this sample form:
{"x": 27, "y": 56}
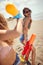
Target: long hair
{"x": 4, "y": 26}
{"x": 3, "y": 22}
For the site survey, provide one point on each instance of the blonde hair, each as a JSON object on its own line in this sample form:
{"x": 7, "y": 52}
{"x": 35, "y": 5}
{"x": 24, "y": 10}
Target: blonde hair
{"x": 3, "y": 22}
{"x": 4, "y": 26}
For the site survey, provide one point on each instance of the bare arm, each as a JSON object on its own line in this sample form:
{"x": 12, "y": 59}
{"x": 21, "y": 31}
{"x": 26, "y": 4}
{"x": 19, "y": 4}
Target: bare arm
{"x": 25, "y": 31}
{"x": 33, "y": 55}
{"x": 8, "y": 34}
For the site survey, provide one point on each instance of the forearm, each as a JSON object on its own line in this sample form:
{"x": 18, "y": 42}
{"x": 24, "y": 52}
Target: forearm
{"x": 8, "y": 34}
{"x": 25, "y": 38}
{"x": 25, "y": 35}
{"x": 33, "y": 56}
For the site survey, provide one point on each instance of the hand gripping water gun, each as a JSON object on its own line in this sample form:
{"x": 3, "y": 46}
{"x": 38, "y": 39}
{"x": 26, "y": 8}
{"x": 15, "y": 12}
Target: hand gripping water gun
{"x": 12, "y": 10}
{"x": 27, "y": 48}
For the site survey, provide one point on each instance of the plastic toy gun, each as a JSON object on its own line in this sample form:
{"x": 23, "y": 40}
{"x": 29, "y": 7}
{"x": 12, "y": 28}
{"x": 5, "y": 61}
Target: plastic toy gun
{"x": 12, "y": 10}
{"x": 28, "y": 48}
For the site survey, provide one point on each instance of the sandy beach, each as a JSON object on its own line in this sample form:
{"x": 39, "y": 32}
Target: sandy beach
{"x": 37, "y": 28}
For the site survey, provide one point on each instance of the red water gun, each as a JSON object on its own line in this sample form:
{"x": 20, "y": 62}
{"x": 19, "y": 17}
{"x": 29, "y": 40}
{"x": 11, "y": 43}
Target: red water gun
{"x": 28, "y": 47}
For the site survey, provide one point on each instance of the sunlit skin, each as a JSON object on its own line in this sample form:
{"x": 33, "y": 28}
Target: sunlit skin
{"x": 28, "y": 20}
{"x": 6, "y": 34}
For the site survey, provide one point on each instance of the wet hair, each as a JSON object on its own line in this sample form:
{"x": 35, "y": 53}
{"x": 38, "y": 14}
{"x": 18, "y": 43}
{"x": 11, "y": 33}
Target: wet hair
{"x": 26, "y": 9}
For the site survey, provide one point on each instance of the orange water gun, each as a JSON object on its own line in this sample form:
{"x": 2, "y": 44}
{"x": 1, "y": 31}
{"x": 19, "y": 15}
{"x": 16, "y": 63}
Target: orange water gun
{"x": 28, "y": 47}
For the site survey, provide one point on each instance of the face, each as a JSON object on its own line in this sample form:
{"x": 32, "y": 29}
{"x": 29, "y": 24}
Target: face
{"x": 27, "y": 13}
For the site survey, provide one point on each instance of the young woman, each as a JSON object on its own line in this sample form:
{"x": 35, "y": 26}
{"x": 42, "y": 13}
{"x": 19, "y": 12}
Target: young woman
{"x": 26, "y": 26}
{"x": 7, "y": 55}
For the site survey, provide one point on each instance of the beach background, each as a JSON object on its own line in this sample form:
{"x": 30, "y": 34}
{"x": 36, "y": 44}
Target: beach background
{"x": 37, "y": 24}
{"x": 36, "y": 28}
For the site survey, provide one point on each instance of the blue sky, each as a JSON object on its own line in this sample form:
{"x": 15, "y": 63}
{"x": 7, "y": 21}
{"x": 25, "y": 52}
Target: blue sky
{"x": 35, "y": 5}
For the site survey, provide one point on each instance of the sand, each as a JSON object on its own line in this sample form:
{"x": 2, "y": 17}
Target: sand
{"x": 37, "y": 28}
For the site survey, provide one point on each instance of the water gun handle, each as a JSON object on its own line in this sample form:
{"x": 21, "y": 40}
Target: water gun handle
{"x": 28, "y": 52}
